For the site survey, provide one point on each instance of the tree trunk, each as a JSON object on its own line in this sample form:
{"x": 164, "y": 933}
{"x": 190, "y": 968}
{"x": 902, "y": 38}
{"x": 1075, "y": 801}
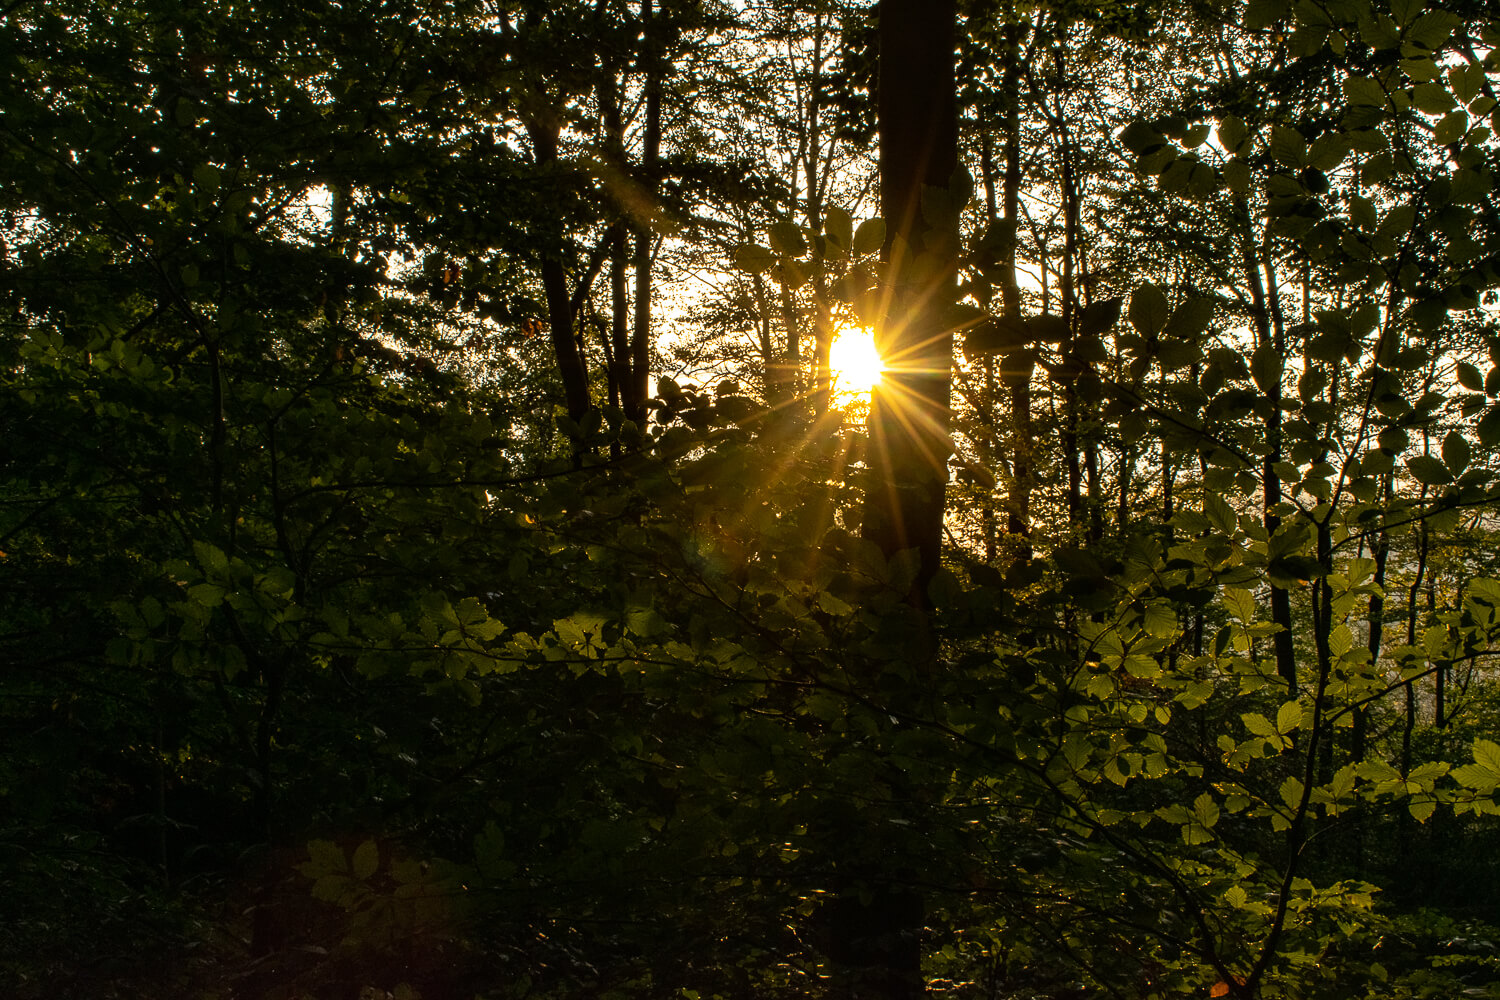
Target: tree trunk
{"x": 640, "y": 342}
{"x": 570, "y": 365}
{"x": 1266, "y": 316}
{"x": 1020, "y": 393}
{"x": 909, "y": 412}
{"x": 877, "y": 938}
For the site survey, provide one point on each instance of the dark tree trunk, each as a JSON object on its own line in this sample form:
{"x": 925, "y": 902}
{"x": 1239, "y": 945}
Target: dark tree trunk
{"x": 1266, "y": 315}
{"x": 619, "y": 331}
{"x": 640, "y": 341}
{"x": 1019, "y": 523}
{"x": 876, "y": 938}
{"x": 909, "y": 448}
{"x": 570, "y": 365}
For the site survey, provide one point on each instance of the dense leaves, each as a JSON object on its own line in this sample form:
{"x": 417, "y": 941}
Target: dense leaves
{"x": 361, "y": 640}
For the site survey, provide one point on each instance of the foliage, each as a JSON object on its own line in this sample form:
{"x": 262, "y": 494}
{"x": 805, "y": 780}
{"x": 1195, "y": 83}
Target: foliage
{"x": 355, "y": 666}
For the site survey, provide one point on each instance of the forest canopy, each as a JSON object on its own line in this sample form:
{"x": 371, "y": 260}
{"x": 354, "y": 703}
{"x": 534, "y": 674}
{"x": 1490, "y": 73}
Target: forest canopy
{"x": 446, "y": 551}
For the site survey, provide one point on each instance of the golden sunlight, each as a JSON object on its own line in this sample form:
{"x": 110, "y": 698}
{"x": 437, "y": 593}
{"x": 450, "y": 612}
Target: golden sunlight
{"x": 855, "y": 363}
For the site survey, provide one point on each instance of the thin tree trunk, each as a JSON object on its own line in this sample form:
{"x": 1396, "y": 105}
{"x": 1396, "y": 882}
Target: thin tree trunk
{"x": 623, "y": 363}
{"x": 570, "y": 364}
{"x": 1265, "y": 314}
{"x": 1020, "y": 393}
{"x": 816, "y": 182}
{"x": 1361, "y": 729}
{"x": 619, "y": 329}
{"x": 1410, "y": 722}
{"x": 640, "y": 343}
{"x": 1439, "y": 710}
{"x": 989, "y": 436}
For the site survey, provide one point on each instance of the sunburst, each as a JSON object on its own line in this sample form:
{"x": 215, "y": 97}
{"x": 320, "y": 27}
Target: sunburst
{"x": 856, "y": 365}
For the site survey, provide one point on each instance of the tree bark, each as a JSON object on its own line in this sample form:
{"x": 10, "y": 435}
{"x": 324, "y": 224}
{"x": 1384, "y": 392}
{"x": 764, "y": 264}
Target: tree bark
{"x": 640, "y": 339}
{"x": 1266, "y": 316}
{"x": 1019, "y": 522}
{"x": 909, "y": 411}
{"x": 570, "y": 364}
{"x": 877, "y": 939}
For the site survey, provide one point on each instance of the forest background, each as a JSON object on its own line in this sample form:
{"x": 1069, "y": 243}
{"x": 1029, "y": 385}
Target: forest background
{"x": 434, "y": 561}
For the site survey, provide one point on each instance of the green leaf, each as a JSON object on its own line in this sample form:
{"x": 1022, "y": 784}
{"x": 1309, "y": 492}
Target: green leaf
{"x": 787, "y": 239}
{"x": 1406, "y": 11}
{"x": 1232, "y": 134}
{"x": 1328, "y": 151}
{"x": 366, "y": 860}
{"x": 1291, "y": 793}
{"x": 1288, "y": 717}
{"x": 790, "y": 273}
{"x": 1340, "y": 640}
{"x": 1220, "y": 513}
{"x": 1428, "y": 470}
{"x": 1148, "y": 310}
{"x": 1237, "y": 176}
{"x": 1452, "y": 127}
{"x": 833, "y": 605}
{"x": 1258, "y": 725}
{"x": 752, "y": 258}
{"x": 1288, "y": 147}
{"x": 326, "y": 857}
{"x": 1240, "y": 603}
{"x": 1140, "y": 138}
{"x": 869, "y": 237}
{"x": 1466, "y": 81}
{"x": 1469, "y": 186}
{"x": 1368, "y": 140}
{"x": 1489, "y": 427}
{"x": 210, "y": 557}
{"x": 1432, "y": 98}
{"x": 1265, "y": 368}
{"x": 1456, "y": 453}
{"x": 206, "y": 177}
{"x": 1362, "y": 90}
{"x": 1398, "y": 221}
{"x": 1190, "y": 318}
{"x": 1206, "y": 810}
{"x": 1469, "y": 377}
{"x": 206, "y": 595}
{"x": 1099, "y": 317}
{"x": 1160, "y": 621}
{"x": 995, "y": 335}
{"x": 1432, "y": 29}
{"x": 1487, "y": 755}
{"x": 646, "y": 623}
{"x": 838, "y": 227}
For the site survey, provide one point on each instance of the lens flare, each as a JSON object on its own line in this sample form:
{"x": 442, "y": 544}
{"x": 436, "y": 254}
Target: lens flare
{"x": 855, "y": 364}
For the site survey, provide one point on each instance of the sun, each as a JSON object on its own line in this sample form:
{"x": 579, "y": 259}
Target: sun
{"x": 855, "y": 363}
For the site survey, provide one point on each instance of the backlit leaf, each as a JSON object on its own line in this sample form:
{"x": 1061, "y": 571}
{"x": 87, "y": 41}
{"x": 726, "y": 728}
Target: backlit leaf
{"x": 1148, "y": 310}
{"x": 1428, "y": 470}
{"x": 869, "y": 237}
{"x": 1288, "y": 147}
